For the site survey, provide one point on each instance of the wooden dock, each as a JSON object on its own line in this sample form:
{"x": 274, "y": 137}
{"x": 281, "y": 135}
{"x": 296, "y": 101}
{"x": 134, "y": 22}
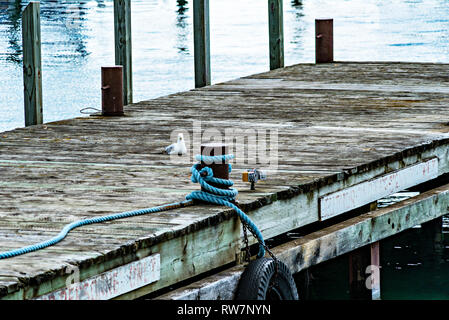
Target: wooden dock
{"x": 340, "y": 126}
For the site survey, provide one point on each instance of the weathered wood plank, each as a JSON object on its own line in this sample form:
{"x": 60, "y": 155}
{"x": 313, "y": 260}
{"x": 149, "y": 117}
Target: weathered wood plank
{"x": 112, "y": 283}
{"x": 366, "y": 192}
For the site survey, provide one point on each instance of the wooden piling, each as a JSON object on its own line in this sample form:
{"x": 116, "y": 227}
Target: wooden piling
{"x": 276, "y": 33}
{"x": 201, "y": 34}
{"x": 433, "y": 231}
{"x": 364, "y": 273}
{"x": 123, "y": 47}
{"x": 32, "y": 64}
{"x": 374, "y": 271}
{"x": 324, "y": 40}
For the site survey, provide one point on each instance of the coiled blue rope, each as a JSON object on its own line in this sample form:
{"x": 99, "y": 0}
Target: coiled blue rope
{"x": 217, "y": 196}
{"x": 220, "y": 196}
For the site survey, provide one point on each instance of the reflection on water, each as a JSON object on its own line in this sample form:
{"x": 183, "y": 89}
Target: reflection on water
{"x": 12, "y": 17}
{"x": 65, "y": 21}
{"x": 183, "y": 27}
{"x": 77, "y": 39}
{"x": 298, "y": 27}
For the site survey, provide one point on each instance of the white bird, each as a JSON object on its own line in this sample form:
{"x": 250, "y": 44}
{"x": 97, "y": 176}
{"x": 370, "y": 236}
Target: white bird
{"x": 178, "y": 147}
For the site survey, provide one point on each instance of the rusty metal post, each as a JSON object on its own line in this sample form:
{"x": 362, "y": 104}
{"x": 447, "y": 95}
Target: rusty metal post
{"x": 112, "y": 91}
{"x": 324, "y": 40}
{"x": 220, "y": 169}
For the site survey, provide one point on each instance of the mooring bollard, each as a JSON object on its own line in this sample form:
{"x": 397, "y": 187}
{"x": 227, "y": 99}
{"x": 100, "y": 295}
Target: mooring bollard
{"x": 201, "y": 35}
{"x": 221, "y": 168}
{"x": 324, "y": 40}
{"x": 276, "y": 33}
{"x": 112, "y": 91}
{"x": 32, "y": 65}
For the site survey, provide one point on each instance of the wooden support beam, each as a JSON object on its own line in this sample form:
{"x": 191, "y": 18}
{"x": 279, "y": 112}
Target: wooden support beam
{"x": 331, "y": 242}
{"x": 364, "y": 273}
{"x": 180, "y": 258}
{"x": 359, "y": 260}
{"x": 324, "y": 40}
{"x": 276, "y": 33}
{"x": 364, "y": 270}
{"x": 123, "y": 47}
{"x": 113, "y": 283}
{"x": 433, "y": 230}
{"x": 303, "y": 280}
{"x": 201, "y": 34}
{"x": 32, "y": 65}
{"x": 374, "y": 272}
{"x": 366, "y": 192}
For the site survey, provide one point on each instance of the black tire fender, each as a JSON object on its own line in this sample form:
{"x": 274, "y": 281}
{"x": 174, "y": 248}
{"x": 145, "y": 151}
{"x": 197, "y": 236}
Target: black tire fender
{"x": 258, "y": 282}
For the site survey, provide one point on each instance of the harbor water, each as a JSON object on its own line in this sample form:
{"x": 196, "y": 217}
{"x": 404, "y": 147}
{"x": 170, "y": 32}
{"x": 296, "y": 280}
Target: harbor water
{"x": 78, "y": 38}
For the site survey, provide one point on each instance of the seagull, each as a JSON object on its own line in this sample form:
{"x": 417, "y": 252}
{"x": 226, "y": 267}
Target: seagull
{"x": 178, "y": 147}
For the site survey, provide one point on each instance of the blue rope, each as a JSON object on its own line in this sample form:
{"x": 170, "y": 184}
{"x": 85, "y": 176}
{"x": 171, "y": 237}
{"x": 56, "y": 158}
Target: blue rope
{"x": 219, "y": 196}
{"x": 79, "y": 223}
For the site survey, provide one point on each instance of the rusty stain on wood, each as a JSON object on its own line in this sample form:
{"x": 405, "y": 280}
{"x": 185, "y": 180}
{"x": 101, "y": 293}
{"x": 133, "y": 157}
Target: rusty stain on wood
{"x": 368, "y": 191}
{"x": 112, "y": 283}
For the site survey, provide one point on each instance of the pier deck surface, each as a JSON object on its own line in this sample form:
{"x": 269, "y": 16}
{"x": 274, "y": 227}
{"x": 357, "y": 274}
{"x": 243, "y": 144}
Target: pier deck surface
{"x": 338, "y": 124}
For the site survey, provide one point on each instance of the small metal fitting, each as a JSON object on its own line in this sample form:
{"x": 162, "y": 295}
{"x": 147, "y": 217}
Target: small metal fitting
{"x": 253, "y": 176}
